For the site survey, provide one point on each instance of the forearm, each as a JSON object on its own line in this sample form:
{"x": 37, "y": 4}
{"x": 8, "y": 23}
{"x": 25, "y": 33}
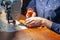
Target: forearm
{"x": 48, "y": 23}
{"x": 54, "y": 26}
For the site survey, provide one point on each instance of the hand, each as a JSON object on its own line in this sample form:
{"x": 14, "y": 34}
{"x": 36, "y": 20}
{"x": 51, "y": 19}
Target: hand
{"x": 34, "y": 21}
{"x": 37, "y": 21}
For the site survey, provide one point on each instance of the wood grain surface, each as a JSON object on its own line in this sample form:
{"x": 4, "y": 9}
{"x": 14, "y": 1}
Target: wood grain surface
{"x": 36, "y": 34}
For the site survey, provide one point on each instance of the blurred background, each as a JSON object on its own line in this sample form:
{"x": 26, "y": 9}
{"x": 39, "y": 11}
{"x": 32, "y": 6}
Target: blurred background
{"x": 7, "y": 30}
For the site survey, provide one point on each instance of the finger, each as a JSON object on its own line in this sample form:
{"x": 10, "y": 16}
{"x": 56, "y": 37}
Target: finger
{"x": 33, "y": 22}
{"x": 28, "y": 25}
{"x": 28, "y": 21}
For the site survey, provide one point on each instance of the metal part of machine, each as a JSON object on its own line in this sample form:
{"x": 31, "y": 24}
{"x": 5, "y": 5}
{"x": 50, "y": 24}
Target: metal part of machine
{"x": 16, "y": 9}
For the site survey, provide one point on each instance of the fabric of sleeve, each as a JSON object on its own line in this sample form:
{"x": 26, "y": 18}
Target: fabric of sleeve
{"x": 56, "y": 27}
{"x": 32, "y": 4}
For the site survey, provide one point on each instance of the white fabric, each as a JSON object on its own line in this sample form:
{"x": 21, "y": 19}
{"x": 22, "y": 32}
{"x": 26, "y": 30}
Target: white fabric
{"x": 4, "y": 26}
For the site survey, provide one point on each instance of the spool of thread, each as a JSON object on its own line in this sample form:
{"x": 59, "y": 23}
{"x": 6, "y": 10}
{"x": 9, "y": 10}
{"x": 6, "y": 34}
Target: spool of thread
{"x": 29, "y": 12}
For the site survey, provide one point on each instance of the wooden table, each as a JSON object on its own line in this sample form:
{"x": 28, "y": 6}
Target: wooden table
{"x": 36, "y": 34}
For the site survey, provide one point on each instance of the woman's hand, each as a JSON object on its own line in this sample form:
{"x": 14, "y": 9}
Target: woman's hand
{"x": 34, "y": 21}
{"x": 37, "y": 22}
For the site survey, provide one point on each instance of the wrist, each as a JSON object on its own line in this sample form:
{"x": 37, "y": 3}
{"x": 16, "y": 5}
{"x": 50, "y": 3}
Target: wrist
{"x": 48, "y": 23}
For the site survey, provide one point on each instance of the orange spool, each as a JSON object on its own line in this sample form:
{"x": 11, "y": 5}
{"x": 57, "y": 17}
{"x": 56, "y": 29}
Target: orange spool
{"x": 29, "y": 12}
